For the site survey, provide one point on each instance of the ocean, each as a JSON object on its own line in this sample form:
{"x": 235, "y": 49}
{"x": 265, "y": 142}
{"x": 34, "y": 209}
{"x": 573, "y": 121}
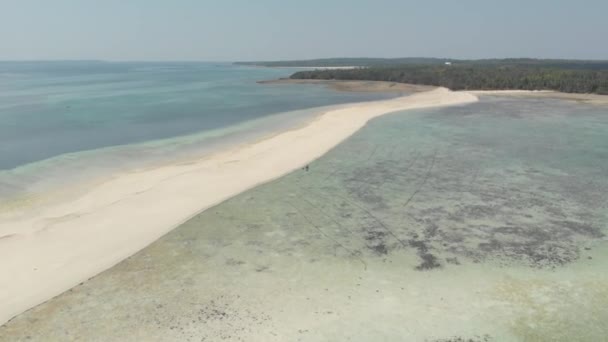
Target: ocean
{"x": 63, "y": 121}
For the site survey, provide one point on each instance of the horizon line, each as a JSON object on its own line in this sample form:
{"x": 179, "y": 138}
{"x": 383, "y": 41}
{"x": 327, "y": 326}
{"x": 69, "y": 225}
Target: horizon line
{"x": 59, "y": 60}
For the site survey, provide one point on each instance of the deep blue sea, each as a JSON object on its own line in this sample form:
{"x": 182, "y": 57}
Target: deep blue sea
{"x": 107, "y": 113}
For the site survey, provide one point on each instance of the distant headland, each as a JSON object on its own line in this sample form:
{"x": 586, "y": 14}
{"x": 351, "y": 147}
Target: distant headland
{"x": 568, "y": 76}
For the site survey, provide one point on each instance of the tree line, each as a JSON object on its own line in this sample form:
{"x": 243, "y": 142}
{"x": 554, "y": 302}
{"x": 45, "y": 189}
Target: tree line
{"x": 489, "y": 75}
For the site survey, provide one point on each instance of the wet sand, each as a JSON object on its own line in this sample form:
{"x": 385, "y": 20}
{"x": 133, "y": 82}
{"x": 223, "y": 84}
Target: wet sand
{"x": 46, "y": 250}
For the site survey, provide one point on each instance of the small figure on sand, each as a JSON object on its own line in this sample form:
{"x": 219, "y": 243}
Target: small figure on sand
{"x": 306, "y": 168}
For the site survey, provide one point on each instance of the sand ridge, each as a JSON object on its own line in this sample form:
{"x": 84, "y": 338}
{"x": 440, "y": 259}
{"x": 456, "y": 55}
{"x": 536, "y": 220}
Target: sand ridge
{"x": 55, "y": 247}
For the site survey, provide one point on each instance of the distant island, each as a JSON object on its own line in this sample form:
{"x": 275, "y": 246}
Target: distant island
{"x": 346, "y": 62}
{"x": 569, "y": 76}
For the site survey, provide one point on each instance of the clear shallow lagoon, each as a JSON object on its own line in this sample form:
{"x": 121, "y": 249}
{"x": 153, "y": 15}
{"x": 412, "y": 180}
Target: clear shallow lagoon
{"x": 62, "y": 120}
{"x": 486, "y": 222}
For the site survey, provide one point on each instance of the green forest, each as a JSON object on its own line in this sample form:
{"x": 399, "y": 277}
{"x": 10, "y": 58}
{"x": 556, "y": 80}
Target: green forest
{"x": 476, "y": 77}
{"x": 570, "y": 76}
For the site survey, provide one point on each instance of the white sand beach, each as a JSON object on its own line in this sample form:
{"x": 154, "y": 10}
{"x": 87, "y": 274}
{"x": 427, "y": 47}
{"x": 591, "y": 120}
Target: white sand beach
{"x": 47, "y": 249}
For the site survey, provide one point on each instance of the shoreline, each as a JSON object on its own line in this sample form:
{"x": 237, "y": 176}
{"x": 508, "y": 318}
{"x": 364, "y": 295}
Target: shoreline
{"x": 345, "y": 67}
{"x": 402, "y": 88}
{"x": 53, "y": 248}
{"x": 357, "y": 86}
{"x": 47, "y": 177}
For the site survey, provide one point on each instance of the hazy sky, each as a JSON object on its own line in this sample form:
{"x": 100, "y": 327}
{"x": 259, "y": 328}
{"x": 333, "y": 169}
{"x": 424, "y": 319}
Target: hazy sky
{"x": 298, "y": 29}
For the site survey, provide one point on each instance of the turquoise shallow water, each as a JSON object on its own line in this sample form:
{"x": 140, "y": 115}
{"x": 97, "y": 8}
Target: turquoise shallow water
{"x": 485, "y": 222}
{"x": 53, "y": 114}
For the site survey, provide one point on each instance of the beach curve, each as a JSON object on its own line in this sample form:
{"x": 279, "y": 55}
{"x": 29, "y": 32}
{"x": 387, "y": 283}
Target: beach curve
{"x": 44, "y": 251}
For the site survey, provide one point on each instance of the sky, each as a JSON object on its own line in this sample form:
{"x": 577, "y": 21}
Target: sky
{"x": 242, "y": 30}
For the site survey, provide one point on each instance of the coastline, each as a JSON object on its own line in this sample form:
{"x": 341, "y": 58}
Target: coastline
{"x": 402, "y": 88}
{"x": 48, "y": 250}
{"x": 345, "y": 67}
{"x": 53, "y": 179}
{"x": 358, "y": 86}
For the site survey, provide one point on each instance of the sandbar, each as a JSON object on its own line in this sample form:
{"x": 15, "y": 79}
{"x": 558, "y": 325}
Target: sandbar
{"x": 48, "y": 249}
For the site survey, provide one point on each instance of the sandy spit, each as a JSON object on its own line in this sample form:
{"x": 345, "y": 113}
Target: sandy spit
{"x": 46, "y": 250}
